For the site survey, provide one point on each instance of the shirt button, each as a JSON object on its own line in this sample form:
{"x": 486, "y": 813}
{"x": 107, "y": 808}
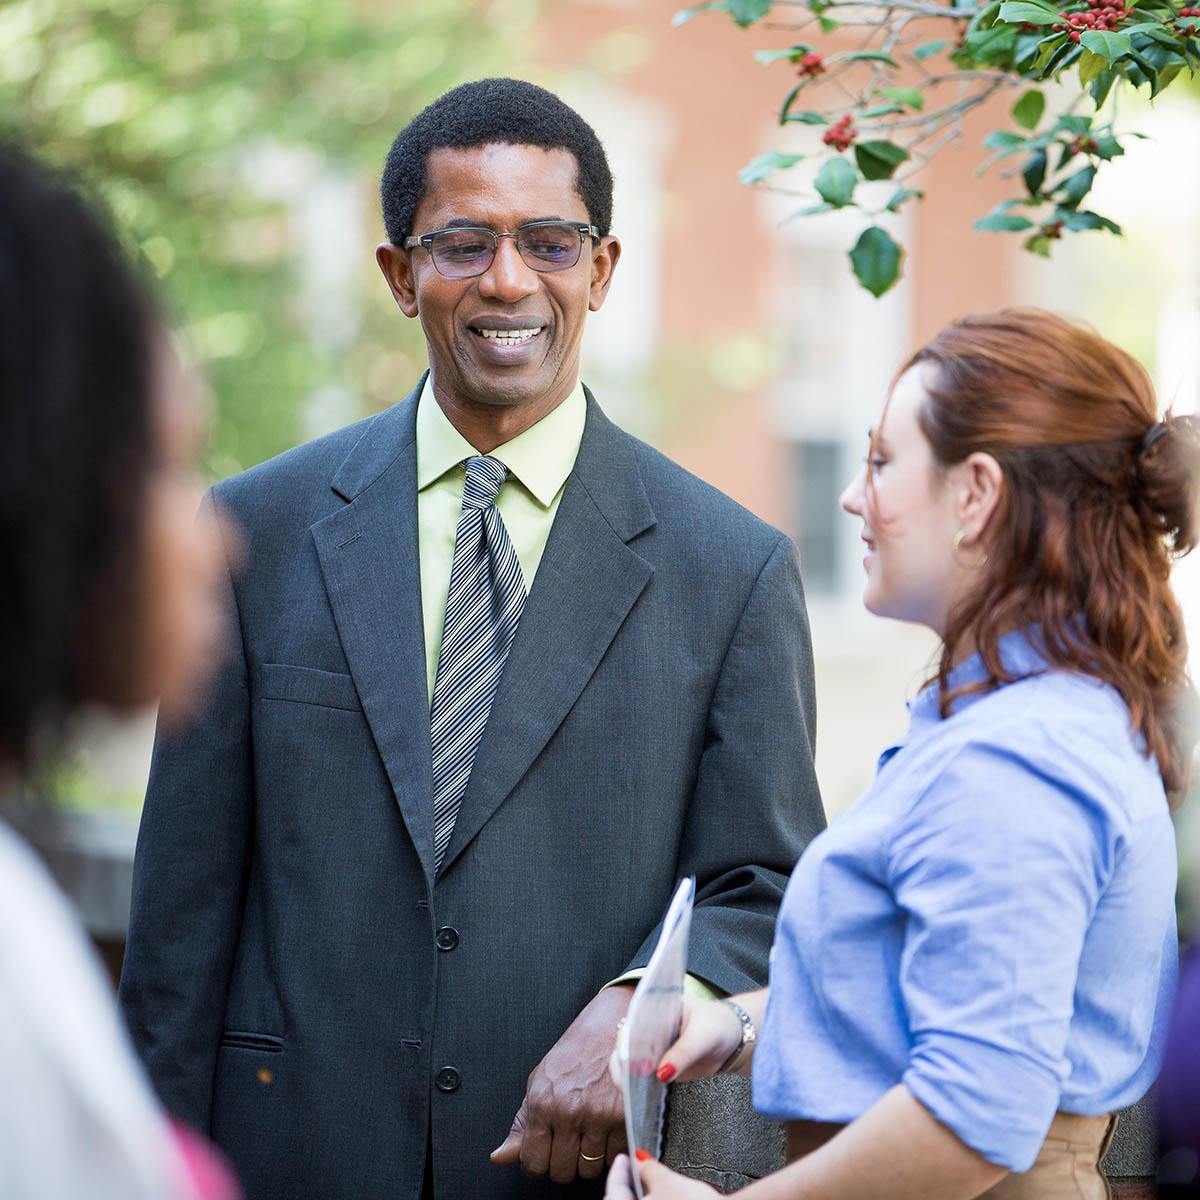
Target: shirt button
{"x": 447, "y": 938}
{"x": 447, "y": 1080}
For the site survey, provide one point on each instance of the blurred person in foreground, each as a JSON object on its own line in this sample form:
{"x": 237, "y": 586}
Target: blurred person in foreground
{"x": 973, "y": 965}
{"x": 108, "y": 599}
{"x": 504, "y": 673}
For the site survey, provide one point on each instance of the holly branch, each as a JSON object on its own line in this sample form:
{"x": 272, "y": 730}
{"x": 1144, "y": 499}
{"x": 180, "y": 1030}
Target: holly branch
{"x": 890, "y": 84}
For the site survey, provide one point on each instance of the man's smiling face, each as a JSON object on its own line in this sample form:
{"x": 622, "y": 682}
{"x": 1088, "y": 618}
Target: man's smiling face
{"x": 511, "y": 336}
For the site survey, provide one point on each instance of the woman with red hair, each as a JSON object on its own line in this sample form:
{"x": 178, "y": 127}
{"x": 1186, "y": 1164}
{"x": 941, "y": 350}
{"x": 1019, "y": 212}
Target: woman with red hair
{"x": 972, "y": 966}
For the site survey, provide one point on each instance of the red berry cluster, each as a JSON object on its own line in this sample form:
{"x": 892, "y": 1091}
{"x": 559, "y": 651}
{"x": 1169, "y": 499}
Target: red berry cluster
{"x": 840, "y": 134}
{"x": 1102, "y": 15}
{"x": 1052, "y": 229}
{"x": 810, "y": 65}
{"x": 1084, "y": 145}
{"x": 1189, "y": 30}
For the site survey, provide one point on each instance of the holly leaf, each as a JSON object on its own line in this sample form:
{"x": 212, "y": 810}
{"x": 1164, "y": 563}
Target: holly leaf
{"x": 827, "y": 24}
{"x": 792, "y": 53}
{"x": 1017, "y": 11}
{"x": 812, "y": 210}
{"x": 1003, "y": 222}
{"x": 1091, "y": 66}
{"x": 1038, "y": 244}
{"x": 910, "y": 97}
{"x": 836, "y": 181}
{"x": 1081, "y": 221}
{"x": 876, "y": 260}
{"x": 1076, "y": 187}
{"x": 1110, "y": 46}
{"x": 1034, "y": 173}
{"x": 789, "y": 100}
{"x": 746, "y": 12}
{"x": 1102, "y": 85}
{"x": 868, "y": 56}
{"x": 992, "y": 46}
{"x": 1027, "y": 111}
{"x": 684, "y": 15}
{"x": 902, "y": 197}
{"x": 1108, "y": 148}
{"x": 879, "y": 160}
{"x": 880, "y": 110}
{"x": 808, "y": 118}
{"x": 759, "y": 168}
{"x": 928, "y": 49}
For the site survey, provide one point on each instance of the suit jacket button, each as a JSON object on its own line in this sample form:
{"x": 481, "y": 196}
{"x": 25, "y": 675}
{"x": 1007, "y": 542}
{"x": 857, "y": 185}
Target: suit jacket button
{"x": 447, "y": 1080}
{"x": 447, "y": 938}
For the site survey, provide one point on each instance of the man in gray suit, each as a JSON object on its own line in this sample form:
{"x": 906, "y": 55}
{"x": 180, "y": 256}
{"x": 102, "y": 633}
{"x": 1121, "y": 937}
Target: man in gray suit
{"x": 502, "y": 675}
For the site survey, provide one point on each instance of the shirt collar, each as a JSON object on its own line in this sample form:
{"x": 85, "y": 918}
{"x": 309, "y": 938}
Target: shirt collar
{"x": 541, "y": 458}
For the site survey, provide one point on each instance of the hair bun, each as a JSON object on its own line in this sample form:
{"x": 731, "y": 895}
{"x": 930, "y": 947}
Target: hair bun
{"x": 1167, "y": 472}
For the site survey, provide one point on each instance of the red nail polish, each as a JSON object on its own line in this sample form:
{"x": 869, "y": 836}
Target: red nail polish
{"x": 666, "y": 1073}
{"x": 642, "y": 1155}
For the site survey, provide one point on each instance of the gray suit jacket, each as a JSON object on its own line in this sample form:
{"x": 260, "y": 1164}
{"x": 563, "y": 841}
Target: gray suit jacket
{"x": 296, "y": 980}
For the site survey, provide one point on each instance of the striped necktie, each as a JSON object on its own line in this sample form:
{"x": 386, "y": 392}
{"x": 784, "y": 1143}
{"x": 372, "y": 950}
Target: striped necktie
{"x": 487, "y": 594}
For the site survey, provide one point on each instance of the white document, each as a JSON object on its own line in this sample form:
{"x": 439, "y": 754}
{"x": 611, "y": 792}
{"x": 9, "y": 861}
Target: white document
{"x": 651, "y": 1025}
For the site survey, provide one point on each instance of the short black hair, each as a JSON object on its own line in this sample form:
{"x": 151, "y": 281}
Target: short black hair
{"x": 77, "y": 344}
{"x": 485, "y": 112}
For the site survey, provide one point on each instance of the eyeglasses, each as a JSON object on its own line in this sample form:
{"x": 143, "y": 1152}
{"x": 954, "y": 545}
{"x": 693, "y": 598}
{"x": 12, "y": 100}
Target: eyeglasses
{"x": 463, "y": 251}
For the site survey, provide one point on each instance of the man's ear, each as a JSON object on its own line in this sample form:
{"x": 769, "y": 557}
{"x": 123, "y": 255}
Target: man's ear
{"x": 981, "y": 490}
{"x": 604, "y": 263}
{"x": 396, "y": 265}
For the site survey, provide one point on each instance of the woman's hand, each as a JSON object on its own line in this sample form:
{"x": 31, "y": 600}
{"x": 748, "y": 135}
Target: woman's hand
{"x": 709, "y": 1033}
{"x": 657, "y": 1181}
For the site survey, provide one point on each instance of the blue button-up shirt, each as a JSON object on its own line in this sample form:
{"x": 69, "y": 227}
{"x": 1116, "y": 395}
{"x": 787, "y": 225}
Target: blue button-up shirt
{"x": 991, "y": 924}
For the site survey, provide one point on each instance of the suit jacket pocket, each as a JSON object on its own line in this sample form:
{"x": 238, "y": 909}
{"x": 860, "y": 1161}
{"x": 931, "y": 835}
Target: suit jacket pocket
{"x": 238, "y": 1039}
{"x": 307, "y": 685}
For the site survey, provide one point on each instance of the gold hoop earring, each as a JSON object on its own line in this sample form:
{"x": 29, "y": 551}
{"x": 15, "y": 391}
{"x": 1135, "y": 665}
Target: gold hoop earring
{"x": 956, "y": 546}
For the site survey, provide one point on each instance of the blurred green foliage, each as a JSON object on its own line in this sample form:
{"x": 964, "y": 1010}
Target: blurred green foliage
{"x": 207, "y": 125}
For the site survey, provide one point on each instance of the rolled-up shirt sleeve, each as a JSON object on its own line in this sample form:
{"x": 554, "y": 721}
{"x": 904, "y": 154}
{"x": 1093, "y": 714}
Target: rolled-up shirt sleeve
{"x": 997, "y": 872}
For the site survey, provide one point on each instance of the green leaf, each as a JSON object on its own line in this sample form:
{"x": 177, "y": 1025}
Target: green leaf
{"x": 999, "y": 222}
{"x": 836, "y": 181}
{"x": 828, "y": 24}
{"x": 928, "y": 49}
{"x": 1102, "y": 85}
{"x": 880, "y": 110}
{"x": 1027, "y": 111}
{"x": 1110, "y": 46}
{"x": 1034, "y": 173}
{"x": 1091, "y": 66}
{"x": 1017, "y": 11}
{"x": 808, "y": 118}
{"x": 813, "y": 210}
{"x": 1108, "y": 148}
{"x": 1038, "y": 244}
{"x": 1073, "y": 124}
{"x": 684, "y": 15}
{"x": 902, "y": 197}
{"x": 992, "y": 46}
{"x": 767, "y": 164}
{"x": 1077, "y": 186}
{"x": 789, "y": 100}
{"x": 868, "y": 56}
{"x": 1002, "y": 139}
{"x": 792, "y": 53}
{"x": 876, "y": 260}
{"x": 1066, "y": 54}
{"x": 910, "y": 97}
{"x": 879, "y": 160}
{"x": 746, "y": 12}
{"x": 1082, "y": 221}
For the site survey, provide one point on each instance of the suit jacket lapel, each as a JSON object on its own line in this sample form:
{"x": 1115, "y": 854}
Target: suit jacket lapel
{"x": 369, "y": 556}
{"x": 587, "y": 582}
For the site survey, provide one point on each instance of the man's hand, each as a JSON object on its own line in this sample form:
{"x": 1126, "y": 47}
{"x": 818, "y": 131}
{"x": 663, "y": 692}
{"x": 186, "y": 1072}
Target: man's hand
{"x": 572, "y": 1119}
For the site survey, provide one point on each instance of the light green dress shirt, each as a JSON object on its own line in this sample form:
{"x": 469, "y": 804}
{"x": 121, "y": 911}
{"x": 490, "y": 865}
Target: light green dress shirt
{"x": 539, "y": 462}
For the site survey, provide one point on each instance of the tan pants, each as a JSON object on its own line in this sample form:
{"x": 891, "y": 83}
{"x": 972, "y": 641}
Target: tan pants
{"x": 1067, "y": 1166}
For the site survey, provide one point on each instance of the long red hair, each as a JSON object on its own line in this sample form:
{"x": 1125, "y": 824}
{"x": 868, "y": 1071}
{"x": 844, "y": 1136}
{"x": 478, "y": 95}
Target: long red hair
{"x": 1099, "y": 497}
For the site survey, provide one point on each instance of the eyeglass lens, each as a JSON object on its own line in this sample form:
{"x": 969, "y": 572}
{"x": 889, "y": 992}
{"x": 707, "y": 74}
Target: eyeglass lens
{"x": 460, "y": 253}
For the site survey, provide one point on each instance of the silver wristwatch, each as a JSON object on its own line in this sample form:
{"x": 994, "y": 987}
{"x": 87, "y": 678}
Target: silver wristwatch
{"x": 749, "y": 1033}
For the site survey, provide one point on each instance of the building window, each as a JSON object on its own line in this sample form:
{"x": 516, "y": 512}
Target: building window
{"x": 819, "y": 477}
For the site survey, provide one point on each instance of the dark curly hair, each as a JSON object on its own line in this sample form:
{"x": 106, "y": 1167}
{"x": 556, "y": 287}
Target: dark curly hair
{"x": 77, "y": 339}
{"x": 488, "y": 111}
{"x": 1100, "y": 496}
